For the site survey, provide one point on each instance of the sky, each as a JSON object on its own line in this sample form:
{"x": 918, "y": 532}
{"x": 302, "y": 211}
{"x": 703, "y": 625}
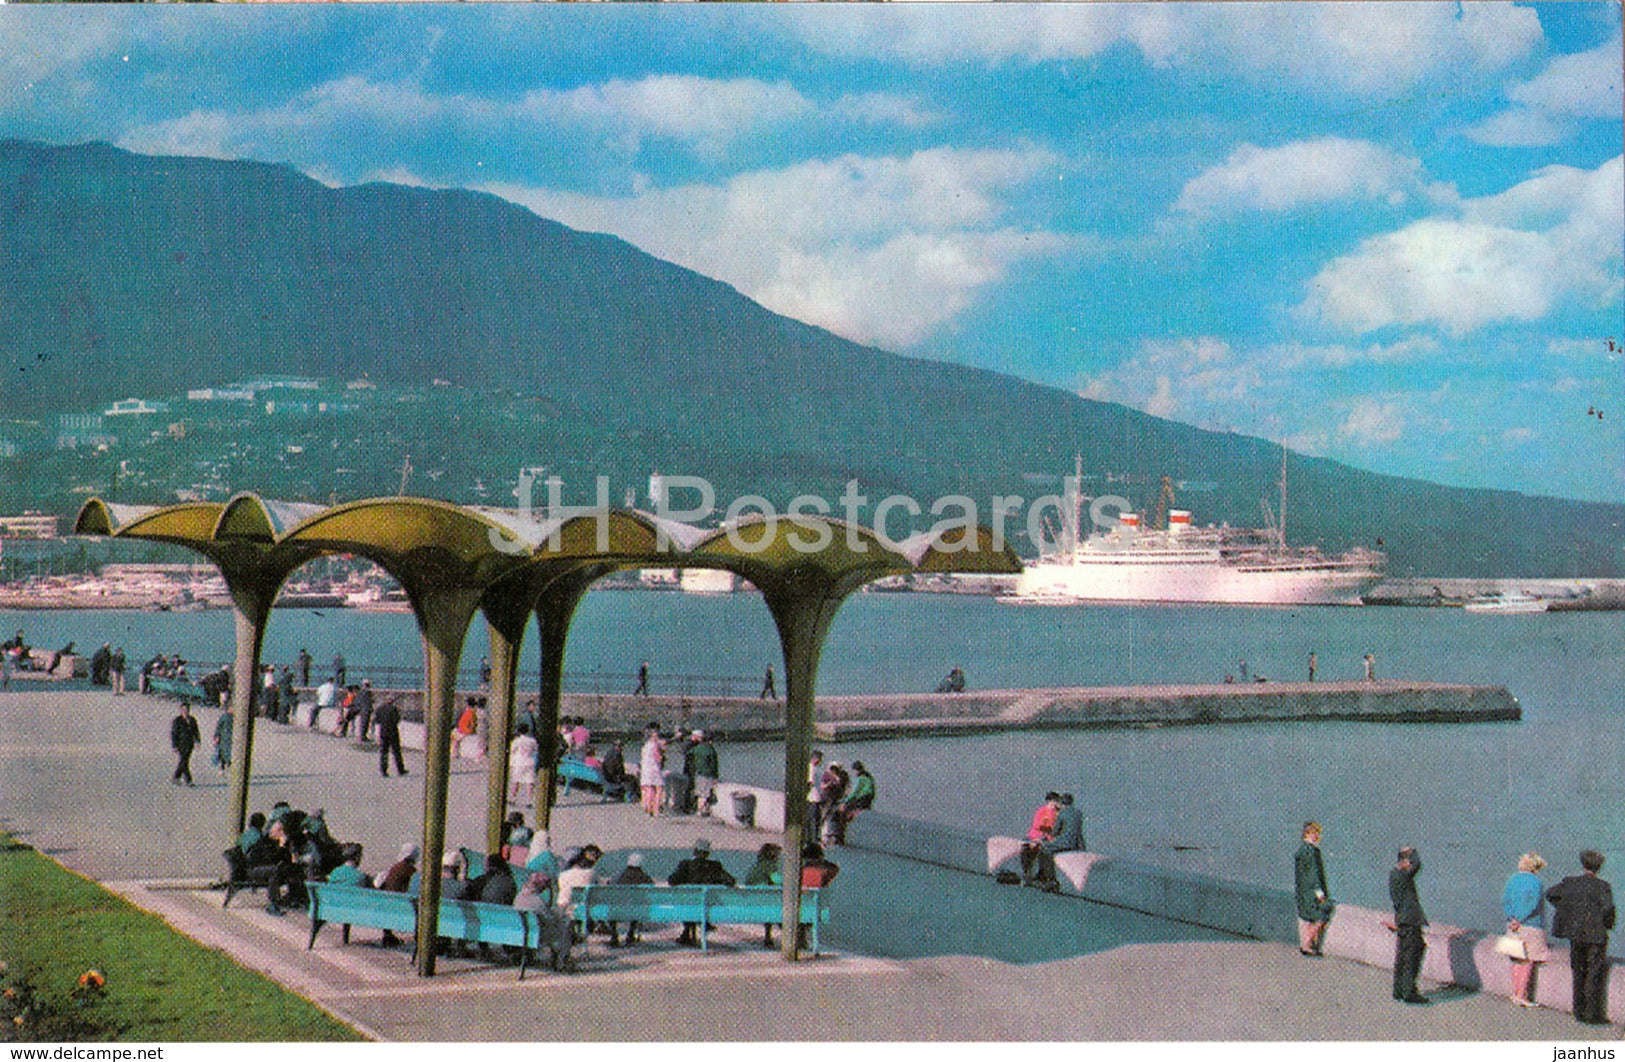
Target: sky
{"x": 1390, "y": 235}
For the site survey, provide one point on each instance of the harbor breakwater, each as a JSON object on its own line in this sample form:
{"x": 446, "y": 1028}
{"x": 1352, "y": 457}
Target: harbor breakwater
{"x": 873, "y": 716}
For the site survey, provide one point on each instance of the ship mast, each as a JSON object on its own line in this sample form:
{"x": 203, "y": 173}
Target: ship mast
{"x": 1281, "y": 525}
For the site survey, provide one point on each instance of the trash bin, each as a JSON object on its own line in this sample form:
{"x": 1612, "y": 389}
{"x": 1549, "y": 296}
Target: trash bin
{"x": 744, "y": 807}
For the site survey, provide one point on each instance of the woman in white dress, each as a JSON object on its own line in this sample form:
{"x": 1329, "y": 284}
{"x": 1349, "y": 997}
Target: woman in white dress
{"x": 652, "y": 771}
{"x": 522, "y": 753}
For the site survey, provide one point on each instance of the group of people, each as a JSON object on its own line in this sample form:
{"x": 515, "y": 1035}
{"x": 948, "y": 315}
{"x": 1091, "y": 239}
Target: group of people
{"x": 107, "y": 667}
{"x": 677, "y": 774}
{"x": 1057, "y": 826}
{"x": 835, "y": 796}
{"x": 1582, "y": 908}
{"x": 287, "y": 848}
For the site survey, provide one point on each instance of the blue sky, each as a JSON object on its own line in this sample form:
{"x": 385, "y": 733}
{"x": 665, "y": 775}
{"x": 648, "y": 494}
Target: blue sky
{"x": 1387, "y": 234}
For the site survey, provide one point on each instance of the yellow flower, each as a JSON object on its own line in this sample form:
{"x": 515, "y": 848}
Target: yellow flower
{"x": 92, "y": 979}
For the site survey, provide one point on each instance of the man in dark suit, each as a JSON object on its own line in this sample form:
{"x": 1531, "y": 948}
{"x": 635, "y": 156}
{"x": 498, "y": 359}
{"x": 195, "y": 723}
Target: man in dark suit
{"x": 1584, "y": 906}
{"x": 1408, "y": 923}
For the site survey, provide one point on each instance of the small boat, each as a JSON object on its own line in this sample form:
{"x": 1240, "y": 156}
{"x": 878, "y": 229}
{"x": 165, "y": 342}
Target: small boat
{"x": 1506, "y": 604}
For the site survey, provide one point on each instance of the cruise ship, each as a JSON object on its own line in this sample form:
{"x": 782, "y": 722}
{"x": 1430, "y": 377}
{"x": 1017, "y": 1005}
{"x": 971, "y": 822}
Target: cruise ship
{"x": 1179, "y": 563}
{"x": 1190, "y": 565}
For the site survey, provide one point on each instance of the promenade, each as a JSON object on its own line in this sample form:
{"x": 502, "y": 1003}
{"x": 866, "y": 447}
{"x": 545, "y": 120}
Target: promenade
{"x": 917, "y": 952}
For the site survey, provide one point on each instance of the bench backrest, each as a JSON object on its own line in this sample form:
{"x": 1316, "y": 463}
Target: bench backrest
{"x": 490, "y": 923}
{"x": 692, "y": 903}
{"x": 578, "y": 771}
{"x": 354, "y": 905}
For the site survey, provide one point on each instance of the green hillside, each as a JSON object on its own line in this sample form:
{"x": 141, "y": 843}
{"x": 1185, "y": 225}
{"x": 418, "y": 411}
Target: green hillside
{"x": 123, "y": 275}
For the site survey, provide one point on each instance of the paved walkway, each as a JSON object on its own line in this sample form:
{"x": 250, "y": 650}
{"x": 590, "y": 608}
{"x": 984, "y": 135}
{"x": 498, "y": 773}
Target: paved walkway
{"x": 919, "y": 952}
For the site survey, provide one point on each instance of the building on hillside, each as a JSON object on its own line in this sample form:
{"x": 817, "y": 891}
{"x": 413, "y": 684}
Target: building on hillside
{"x": 29, "y": 525}
{"x": 220, "y": 394}
{"x": 77, "y": 430}
{"x": 134, "y": 407}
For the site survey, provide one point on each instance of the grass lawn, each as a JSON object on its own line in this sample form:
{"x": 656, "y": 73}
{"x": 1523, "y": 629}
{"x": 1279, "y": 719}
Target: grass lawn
{"x": 159, "y": 985}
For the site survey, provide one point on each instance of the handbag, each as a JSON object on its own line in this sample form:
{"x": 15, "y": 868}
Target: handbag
{"x": 1512, "y": 947}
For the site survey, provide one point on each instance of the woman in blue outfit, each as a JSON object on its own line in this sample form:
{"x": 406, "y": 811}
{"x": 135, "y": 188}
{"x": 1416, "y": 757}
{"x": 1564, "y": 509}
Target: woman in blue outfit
{"x": 1524, "y": 903}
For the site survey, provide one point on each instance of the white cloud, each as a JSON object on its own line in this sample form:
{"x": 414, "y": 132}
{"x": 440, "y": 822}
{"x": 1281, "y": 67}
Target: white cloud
{"x": 1373, "y": 422}
{"x": 881, "y": 250}
{"x": 1510, "y": 257}
{"x": 705, "y": 114}
{"x": 1368, "y": 49}
{"x": 1550, "y": 107}
{"x": 1300, "y": 174}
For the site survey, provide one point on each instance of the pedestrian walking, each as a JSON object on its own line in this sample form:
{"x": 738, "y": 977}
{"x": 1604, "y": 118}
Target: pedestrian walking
{"x": 116, "y": 672}
{"x": 1313, "y": 662}
{"x": 1313, "y": 896}
{"x": 1370, "y": 668}
{"x": 770, "y": 690}
{"x": 643, "y": 680}
{"x": 183, "y": 738}
{"x": 1409, "y": 944}
{"x": 1583, "y": 913}
{"x": 340, "y": 672}
{"x": 222, "y": 740}
{"x": 388, "y": 718}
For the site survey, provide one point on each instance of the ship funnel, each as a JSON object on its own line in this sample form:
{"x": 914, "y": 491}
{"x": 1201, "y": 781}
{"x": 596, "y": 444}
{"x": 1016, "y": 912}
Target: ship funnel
{"x": 1179, "y": 521}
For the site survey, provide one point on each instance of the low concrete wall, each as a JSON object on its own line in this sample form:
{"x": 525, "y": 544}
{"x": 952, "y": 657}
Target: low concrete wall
{"x": 1455, "y": 955}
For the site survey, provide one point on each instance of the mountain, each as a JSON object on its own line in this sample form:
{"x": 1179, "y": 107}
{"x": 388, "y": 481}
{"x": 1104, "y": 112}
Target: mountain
{"x": 124, "y": 275}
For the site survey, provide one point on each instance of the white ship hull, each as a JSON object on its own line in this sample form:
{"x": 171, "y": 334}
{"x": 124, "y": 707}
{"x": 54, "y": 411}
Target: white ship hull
{"x": 1197, "y": 577}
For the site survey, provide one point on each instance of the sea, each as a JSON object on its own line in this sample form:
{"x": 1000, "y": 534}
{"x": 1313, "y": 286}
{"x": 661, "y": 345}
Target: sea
{"x": 1227, "y": 800}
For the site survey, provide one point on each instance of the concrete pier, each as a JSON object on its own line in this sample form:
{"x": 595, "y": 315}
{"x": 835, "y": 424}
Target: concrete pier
{"x": 872, "y": 716}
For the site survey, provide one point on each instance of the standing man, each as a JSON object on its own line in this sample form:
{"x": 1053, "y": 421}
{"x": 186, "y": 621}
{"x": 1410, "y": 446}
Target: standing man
{"x": 1370, "y": 668}
{"x": 183, "y": 738}
{"x": 286, "y": 694}
{"x": 703, "y": 759}
{"x": 363, "y": 710}
{"x": 1313, "y": 661}
{"x": 304, "y": 667}
{"x": 1314, "y": 899}
{"x": 1584, "y": 904}
{"x": 643, "y": 680}
{"x": 388, "y": 718}
{"x": 117, "y": 665}
{"x": 770, "y": 691}
{"x": 1408, "y": 923}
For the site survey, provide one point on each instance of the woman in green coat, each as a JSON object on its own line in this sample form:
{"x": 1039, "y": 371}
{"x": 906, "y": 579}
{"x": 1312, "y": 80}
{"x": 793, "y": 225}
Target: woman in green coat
{"x": 1314, "y": 900}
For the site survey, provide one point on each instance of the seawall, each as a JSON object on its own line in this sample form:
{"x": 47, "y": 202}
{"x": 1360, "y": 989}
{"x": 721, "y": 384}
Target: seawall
{"x": 1455, "y": 955}
{"x": 872, "y": 716}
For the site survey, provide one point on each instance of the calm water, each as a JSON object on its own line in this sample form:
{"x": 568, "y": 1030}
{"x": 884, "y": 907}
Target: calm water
{"x": 1226, "y": 800}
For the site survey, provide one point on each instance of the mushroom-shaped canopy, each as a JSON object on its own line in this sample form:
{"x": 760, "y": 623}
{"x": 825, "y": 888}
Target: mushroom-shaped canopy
{"x": 425, "y": 542}
{"x": 187, "y": 524}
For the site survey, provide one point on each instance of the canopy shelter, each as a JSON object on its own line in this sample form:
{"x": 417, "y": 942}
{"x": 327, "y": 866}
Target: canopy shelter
{"x": 453, "y": 560}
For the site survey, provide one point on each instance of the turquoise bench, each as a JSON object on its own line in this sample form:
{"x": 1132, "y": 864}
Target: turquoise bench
{"x": 174, "y": 687}
{"x": 352, "y": 905}
{"x": 572, "y": 771}
{"x": 705, "y": 904}
{"x": 480, "y": 923}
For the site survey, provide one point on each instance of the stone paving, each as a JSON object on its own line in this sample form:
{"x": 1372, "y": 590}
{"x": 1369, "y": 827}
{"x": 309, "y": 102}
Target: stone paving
{"x": 916, "y": 952}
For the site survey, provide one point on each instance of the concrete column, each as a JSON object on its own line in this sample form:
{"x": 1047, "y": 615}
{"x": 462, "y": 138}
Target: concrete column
{"x": 251, "y": 609}
{"x": 443, "y": 618}
{"x": 506, "y": 639}
{"x": 553, "y": 625}
{"x": 802, "y": 614}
